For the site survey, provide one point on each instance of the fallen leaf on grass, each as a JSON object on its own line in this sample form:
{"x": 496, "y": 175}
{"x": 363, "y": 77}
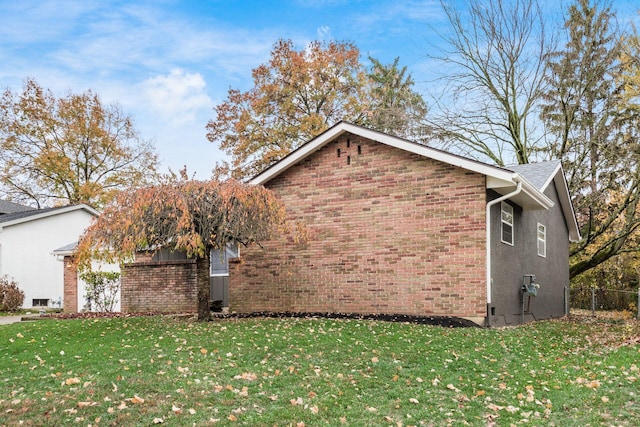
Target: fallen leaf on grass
{"x": 86, "y": 404}
{"x": 297, "y": 401}
{"x": 71, "y": 381}
{"x": 249, "y": 376}
{"x": 158, "y": 420}
{"x": 136, "y": 399}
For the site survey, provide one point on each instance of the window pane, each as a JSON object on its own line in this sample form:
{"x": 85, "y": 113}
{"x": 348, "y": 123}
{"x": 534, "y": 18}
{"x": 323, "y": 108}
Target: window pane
{"x": 220, "y": 260}
{"x": 219, "y": 263}
{"x": 507, "y": 233}
{"x": 542, "y": 240}
{"x": 506, "y": 219}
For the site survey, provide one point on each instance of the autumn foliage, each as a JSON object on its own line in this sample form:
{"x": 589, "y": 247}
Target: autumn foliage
{"x": 182, "y": 215}
{"x": 296, "y": 96}
{"x": 67, "y": 150}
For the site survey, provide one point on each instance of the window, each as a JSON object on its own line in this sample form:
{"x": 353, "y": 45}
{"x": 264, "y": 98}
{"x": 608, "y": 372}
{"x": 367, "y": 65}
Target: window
{"x": 220, "y": 260}
{"x": 506, "y": 217}
{"x": 542, "y": 240}
{"x": 38, "y": 302}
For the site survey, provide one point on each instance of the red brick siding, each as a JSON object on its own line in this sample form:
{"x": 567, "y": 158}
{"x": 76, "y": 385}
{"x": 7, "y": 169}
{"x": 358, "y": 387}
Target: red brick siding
{"x": 70, "y": 280}
{"x": 161, "y": 286}
{"x": 390, "y": 232}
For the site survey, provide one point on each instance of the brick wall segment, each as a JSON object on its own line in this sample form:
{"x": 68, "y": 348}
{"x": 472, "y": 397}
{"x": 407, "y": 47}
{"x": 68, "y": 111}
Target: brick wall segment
{"x": 389, "y": 232}
{"x": 159, "y": 286}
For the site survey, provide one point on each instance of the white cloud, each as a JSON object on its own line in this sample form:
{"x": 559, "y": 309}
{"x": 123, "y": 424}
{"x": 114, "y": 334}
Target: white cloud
{"x": 178, "y": 97}
{"x": 324, "y": 32}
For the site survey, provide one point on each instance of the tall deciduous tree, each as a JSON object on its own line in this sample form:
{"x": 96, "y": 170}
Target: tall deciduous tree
{"x": 68, "y": 150}
{"x": 183, "y": 215}
{"x": 295, "y": 96}
{"x": 300, "y": 93}
{"x": 494, "y": 64}
{"x": 592, "y": 113}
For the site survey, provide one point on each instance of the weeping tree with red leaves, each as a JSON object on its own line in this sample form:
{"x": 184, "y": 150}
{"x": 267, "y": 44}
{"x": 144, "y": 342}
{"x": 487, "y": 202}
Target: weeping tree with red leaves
{"x": 183, "y": 215}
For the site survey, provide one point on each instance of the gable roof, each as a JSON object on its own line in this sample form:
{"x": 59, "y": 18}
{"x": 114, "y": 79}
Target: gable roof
{"x": 7, "y": 207}
{"x": 501, "y": 180}
{"x": 542, "y": 175}
{"x": 539, "y": 174}
{"x": 35, "y": 214}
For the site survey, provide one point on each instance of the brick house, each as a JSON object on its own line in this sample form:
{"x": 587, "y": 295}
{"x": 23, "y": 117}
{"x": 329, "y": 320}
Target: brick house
{"x": 395, "y": 227}
{"x": 389, "y": 226}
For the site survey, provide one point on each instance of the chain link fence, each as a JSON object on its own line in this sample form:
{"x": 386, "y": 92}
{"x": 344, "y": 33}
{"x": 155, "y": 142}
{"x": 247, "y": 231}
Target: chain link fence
{"x": 603, "y": 299}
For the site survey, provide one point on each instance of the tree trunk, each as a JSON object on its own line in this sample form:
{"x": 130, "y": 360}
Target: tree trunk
{"x": 204, "y": 290}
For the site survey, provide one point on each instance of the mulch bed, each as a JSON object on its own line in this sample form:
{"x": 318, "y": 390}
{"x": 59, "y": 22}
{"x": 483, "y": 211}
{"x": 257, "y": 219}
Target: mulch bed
{"x": 447, "y": 322}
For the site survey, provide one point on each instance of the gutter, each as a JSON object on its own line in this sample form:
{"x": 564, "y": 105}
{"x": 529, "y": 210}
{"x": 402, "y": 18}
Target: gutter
{"x": 488, "y": 230}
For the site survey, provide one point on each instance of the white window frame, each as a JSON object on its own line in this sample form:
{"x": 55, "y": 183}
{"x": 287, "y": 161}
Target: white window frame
{"x": 541, "y": 238}
{"x": 506, "y": 219}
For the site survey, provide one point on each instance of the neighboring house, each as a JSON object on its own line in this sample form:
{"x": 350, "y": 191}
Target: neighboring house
{"x": 75, "y": 297}
{"x": 395, "y": 227}
{"x": 27, "y": 241}
{"x": 10, "y": 207}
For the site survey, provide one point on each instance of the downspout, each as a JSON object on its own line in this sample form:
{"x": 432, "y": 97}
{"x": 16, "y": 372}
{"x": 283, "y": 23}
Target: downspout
{"x": 488, "y": 230}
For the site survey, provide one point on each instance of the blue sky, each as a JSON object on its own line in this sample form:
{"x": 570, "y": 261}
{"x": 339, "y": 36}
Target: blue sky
{"x": 169, "y": 62}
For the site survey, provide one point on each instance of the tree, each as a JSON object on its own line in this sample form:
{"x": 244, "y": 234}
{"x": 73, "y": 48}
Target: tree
{"x": 299, "y": 94}
{"x": 68, "y": 150}
{"x": 495, "y": 65}
{"x": 183, "y": 215}
{"x": 594, "y": 122}
{"x": 396, "y": 108}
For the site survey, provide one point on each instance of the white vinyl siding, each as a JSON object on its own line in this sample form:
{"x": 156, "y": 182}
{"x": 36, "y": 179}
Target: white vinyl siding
{"x": 542, "y": 240}
{"x": 506, "y": 219}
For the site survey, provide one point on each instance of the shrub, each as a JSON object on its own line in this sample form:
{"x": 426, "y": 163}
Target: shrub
{"x": 11, "y": 296}
{"x": 102, "y": 289}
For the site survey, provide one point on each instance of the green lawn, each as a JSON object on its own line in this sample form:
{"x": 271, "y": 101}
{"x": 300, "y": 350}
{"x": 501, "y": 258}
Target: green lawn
{"x": 141, "y": 371}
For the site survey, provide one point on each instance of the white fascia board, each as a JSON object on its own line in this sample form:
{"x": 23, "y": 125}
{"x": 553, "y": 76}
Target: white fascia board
{"x": 536, "y": 195}
{"x": 496, "y": 177}
{"x": 567, "y": 207}
{"x": 49, "y": 213}
{"x": 498, "y": 174}
{"x": 562, "y": 188}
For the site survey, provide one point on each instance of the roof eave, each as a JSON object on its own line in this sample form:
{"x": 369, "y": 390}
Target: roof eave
{"x": 499, "y": 174}
{"x": 49, "y": 213}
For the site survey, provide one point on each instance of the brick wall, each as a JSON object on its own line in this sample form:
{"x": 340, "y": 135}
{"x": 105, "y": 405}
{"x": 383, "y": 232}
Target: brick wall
{"x": 388, "y": 232}
{"x": 159, "y": 286}
{"x": 70, "y": 280}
